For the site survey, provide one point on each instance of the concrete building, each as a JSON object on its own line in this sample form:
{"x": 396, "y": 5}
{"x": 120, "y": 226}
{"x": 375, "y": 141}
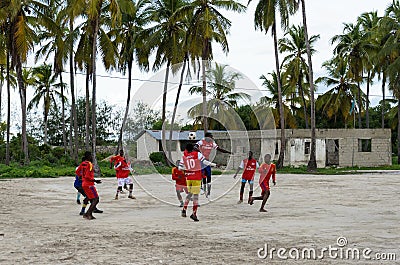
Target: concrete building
{"x": 334, "y": 147}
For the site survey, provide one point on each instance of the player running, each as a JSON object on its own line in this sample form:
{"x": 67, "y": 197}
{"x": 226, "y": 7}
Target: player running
{"x": 123, "y": 169}
{"x": 191, "y": 163}
{"x": 180, "y": 182}
{"x": 85, "y": 171}
{"x": 115, "y": 160}
{"x": 205, "y": 146}
{"x": 267, "y": 170}
{"x": 249, "y": 165}
{"x": 78, "y": 187}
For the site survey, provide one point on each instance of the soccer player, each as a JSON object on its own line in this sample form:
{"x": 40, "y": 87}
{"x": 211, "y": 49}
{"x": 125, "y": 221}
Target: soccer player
{"x": 191, "y": 163}
{"x": 267, "y": 170}
{"x": 78, "y": 187}
{"x": 249, "y": 165}
{"x": 115, "y": 160}
{"x": 123, "y": 169}
{"x": 205, "y": 146}
{"x": 180, "y": 182}
{"x": 86, "y": 172}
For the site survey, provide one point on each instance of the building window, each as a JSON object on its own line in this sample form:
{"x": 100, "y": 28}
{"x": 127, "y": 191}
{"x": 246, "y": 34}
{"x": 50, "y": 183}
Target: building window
{"x": 364, "y": 145}
{"x": 307, "y": 146}
{"x": 276, "y": 148}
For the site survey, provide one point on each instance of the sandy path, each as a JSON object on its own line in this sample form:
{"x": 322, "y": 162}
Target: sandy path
{"x": 39, "y": 222}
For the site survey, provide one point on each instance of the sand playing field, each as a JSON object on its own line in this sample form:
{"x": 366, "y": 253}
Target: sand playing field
{"x": 39, "y": 222}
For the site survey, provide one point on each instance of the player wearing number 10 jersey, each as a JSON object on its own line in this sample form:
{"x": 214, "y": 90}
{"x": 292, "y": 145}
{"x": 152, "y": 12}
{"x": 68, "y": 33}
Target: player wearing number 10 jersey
{"x": 205, "y": 146}
{"x": 191, "y": 163}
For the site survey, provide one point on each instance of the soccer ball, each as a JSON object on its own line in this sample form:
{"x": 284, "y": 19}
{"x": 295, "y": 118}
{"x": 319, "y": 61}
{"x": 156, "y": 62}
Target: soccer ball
{"x": 192, "y": 136}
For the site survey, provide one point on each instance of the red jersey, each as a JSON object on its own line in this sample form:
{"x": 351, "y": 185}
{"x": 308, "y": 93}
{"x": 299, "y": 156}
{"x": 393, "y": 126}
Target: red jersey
{"x": 266, "y": 172}
{"x": 191, "y": 161}
{"x": 249, "y": 167}
{"x": 178, "y": 176}
{"x": 86, "y": 172}
{"x": 206, "y": 147}
{"x": 122, "y": 169}
{"x": 116, "y": 159}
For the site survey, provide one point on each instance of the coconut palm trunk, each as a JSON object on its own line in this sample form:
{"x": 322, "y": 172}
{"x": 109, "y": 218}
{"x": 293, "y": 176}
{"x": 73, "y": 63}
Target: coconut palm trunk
{"x": 22, "y": 94}
{"x": 74, "y": 116}
{"x": 383, "y": 99}
{"x": 87, "y": 107}
{"x": 1, "y": 87}
{"x": 164, "y": 107}
{"x": 312, "y": 163}
{"x": 367, "y": 103}
{"x": 94, "y": 49}
{"x": 128, "y": 99}
{"x": 398, "y": 131}
{"x": 46, "y": 114}
{"x": 359, "y": 104}
{"x": 280, "y": 103}
{"x": 176, "y": 107}
{"x": 204, "y": 90}
{"x": 63, "y": 115}
{"x": 8, "y": 110}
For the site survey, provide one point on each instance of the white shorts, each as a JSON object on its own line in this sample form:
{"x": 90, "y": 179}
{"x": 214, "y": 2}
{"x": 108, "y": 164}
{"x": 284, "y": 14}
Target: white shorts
{"x": 123, "y": 181}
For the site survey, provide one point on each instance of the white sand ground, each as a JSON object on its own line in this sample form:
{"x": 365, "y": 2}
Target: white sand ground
{"x": 39, "y": 222}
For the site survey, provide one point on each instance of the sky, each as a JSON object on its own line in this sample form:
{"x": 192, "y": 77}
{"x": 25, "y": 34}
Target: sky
{"x": 250, "y": 53}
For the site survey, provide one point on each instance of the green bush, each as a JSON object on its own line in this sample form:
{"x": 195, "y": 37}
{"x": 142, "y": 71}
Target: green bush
{"x": 158, "y": 158}
{"x": 58, "y": 152}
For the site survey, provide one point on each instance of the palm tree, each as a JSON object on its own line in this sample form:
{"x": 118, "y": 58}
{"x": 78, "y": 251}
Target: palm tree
{"x": 97, "y": 13}
{"x": 72, "y": 10}
{"x": 130, "y": 38}
{"x": 22, "y": 18}
{"x": 391, "y": 24}
{"x": 5, "y": 45}
{"x": 338, "y": 100}
{"x": 369, "y": 23}
{"x": 264, "y": 19}
{"x": 354, "y": 45}
{"x": 82, "y": 60}
{"x": 3, "y": 59}
{"x": 207, "y": 24}
{"x": 382, "y": 59}
{"x": 221, "y": 86}
{"x": 57, "y": 45}
{"x": 45, "y": 84}
{"x": 312, "y": 163}
{"x": 167, "y": 37}
{"x": 271, "y": 84}
{"x": 296, "y": 68}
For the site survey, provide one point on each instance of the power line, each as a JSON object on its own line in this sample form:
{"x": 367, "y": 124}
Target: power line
{"x": 187, "y": 83}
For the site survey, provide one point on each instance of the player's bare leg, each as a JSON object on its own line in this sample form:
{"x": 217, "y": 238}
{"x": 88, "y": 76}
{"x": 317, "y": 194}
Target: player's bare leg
{"x": 185, "y": 206}
{"x": 265, "y": 198}
{"x": 119, "y": 190}
{"x": 84, "y": 204}
{"x": 195, "y": 206}
{"x": 241, "y": 192}
{"x": 93, "y": 203}
{"x": 204, "y": 189}
{"x": 250, "y": 193}
{"x": 178, "y": 194}
{"x": 130, "y": 192}
{"x": 78, "y": 197}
